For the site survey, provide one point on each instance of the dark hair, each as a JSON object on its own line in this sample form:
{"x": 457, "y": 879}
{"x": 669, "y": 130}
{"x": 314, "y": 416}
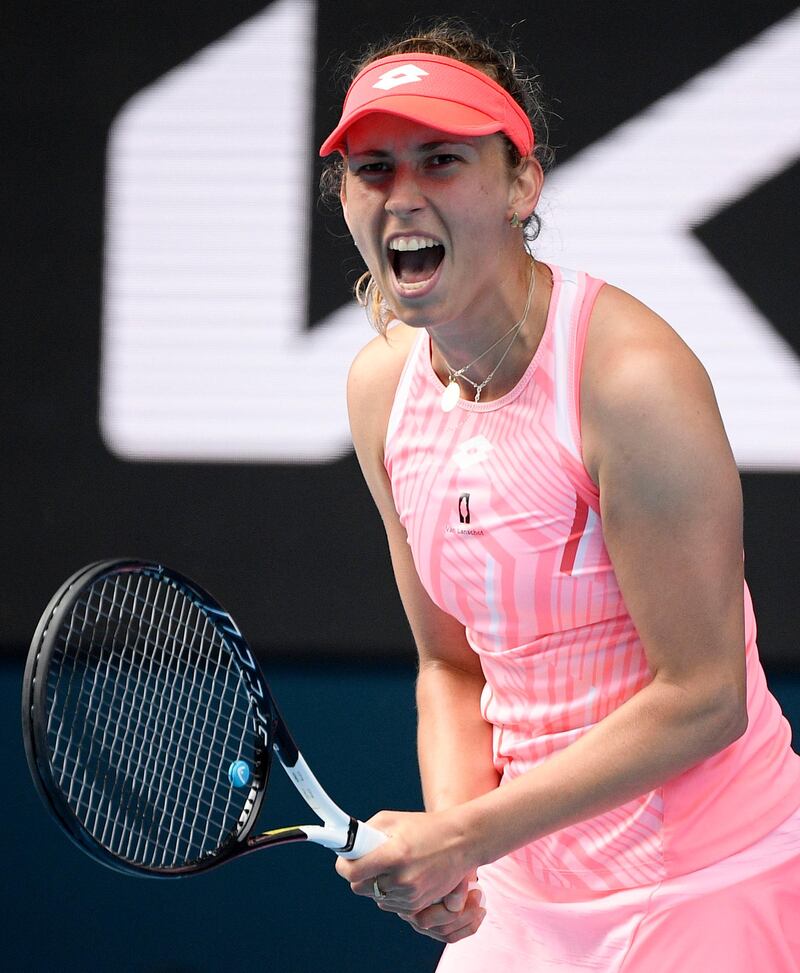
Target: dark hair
{"x": 453, "y": 38}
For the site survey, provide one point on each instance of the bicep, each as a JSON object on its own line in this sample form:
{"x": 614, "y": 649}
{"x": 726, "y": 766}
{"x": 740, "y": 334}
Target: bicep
{"x": 671, "y": 513}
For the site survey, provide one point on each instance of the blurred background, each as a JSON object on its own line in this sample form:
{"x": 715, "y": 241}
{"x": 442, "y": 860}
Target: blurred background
{"x": 177, "y": 327}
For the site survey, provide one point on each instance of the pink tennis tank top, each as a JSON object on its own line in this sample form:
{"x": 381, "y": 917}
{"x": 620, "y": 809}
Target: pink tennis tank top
{"x": 504, "y": 527}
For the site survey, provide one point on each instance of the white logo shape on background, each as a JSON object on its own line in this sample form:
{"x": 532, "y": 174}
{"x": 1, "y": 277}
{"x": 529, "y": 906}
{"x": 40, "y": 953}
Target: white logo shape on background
{"x": 624, "y": 209}
{"x": 402, "y": 74}
{"x": 205, "y": 355}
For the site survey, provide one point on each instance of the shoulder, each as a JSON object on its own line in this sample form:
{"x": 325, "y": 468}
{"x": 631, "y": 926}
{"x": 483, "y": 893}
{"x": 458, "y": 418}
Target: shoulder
{"x": 377, "y": 367}
{"x": 371, "y": 386}
{"x": 641, "y": 384}
{"x": 625, "y": 331}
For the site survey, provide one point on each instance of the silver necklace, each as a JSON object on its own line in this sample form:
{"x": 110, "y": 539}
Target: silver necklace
{"x": 452, "y": 392}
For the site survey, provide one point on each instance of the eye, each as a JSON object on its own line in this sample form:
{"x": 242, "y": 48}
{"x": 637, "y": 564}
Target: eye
{"x": 372, "y": 169}
{"x": 443, "y": 159}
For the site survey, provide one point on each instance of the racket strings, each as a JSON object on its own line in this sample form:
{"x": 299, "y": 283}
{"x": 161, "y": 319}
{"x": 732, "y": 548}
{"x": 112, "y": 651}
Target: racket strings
{"x": 148, "y": 710}
{"x": 133, "y": 771}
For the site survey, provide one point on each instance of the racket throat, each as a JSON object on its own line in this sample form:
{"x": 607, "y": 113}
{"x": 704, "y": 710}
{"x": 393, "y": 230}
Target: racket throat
{"x": 341, "y": 833}
{"x": 317, "y": 799}
{"x": 338, "y": 839}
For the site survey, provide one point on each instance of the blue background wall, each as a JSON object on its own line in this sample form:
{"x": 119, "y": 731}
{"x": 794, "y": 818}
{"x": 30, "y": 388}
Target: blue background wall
{"x": 284, "y": 910}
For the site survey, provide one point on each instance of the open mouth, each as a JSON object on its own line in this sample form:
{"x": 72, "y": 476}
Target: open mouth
{"x": 415, "y": 260}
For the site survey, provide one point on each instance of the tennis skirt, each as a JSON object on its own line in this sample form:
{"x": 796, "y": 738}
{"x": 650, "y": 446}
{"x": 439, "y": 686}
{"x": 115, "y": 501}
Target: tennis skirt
{"x": 740, "y": 915}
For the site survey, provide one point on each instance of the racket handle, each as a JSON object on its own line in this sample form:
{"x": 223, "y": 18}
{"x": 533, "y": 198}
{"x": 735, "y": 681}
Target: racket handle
{"x": 367, "y": 840}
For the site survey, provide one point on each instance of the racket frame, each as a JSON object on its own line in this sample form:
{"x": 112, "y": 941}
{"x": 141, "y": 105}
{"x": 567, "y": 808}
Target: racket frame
{"x": 340, "y": 832}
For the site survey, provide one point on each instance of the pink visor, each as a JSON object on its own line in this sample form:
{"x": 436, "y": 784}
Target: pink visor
{"x": 436, "y": 91}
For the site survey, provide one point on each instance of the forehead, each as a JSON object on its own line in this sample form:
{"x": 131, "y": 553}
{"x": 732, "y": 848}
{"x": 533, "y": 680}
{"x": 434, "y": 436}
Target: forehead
{"x": 381, "y": 132}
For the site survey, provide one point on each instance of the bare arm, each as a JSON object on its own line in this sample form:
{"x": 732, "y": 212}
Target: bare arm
{"x": 454, "y": 742}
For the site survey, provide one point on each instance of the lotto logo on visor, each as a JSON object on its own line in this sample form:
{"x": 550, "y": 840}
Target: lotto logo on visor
{"x": 405, "y": 74}
{"x": 456, "y": 99}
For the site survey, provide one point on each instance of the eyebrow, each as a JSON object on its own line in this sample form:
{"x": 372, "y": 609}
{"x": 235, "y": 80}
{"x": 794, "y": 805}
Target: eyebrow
{"x": 425, "y": 147}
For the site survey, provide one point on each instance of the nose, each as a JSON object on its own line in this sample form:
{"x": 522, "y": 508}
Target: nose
{"x": 405, "y": 196}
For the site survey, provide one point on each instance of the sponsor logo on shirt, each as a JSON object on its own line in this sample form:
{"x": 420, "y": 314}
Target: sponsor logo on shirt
{"x": 464, "y": 519}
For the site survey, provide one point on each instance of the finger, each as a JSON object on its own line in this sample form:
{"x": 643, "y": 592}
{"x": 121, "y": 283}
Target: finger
{"x": 375, "y": 887}
{"x": 397, "y": 903}
{"x": 362, "y": 871}
{"x": 472, "y": 900}
{"x": 456, "y": 900}
{"x": 469, "y": 929}
{"x": 437, "y": 916}
{"x": 344, "y": 868}
{"x": 453, "y": 931}
{"x": 395, "y": 896}
{"x": 404, "y": 900}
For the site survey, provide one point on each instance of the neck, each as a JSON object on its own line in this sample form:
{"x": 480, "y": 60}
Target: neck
{"x": 467, "y": 346}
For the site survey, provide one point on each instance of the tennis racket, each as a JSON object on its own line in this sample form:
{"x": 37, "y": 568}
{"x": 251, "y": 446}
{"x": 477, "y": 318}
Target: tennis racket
{"x": 149, "y": 728}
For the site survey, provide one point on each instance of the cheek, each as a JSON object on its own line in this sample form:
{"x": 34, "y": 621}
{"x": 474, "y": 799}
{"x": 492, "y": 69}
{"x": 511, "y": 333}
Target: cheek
{"x": 360, "y": 238}
{"x": 484, "y": 208}
{"x": 483, "y": 223}
{"x": 357, "y": 218}
{"x": 366, "y": 246}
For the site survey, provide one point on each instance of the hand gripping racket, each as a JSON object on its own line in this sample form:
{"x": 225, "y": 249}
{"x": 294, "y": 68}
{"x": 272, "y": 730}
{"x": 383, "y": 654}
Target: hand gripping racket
{"x": 149, "y": 728}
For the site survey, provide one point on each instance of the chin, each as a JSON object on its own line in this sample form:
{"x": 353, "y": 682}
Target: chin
{"x": 415, "y": 316}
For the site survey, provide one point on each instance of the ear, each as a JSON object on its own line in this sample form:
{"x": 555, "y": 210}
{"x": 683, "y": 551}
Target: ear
{"x": 525, "y": 188}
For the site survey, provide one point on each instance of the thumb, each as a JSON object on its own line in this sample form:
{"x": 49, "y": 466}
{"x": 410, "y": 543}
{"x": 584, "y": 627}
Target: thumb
{"x": 456, "y": 900}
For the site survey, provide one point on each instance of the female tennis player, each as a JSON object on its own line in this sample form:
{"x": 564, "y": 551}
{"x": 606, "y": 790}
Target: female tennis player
{"x": 596, "y": 737}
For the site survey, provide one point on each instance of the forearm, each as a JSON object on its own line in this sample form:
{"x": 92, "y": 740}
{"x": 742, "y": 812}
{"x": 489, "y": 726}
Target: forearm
{"x": 454, "y": 742}
{"x": 655, "y": 735}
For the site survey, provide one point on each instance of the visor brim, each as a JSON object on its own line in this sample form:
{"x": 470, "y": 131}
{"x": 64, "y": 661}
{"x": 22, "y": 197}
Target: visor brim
{"x": 445, "y": 116}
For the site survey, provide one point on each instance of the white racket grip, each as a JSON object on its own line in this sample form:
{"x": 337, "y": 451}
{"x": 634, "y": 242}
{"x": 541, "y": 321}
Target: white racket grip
{"x": 367, "y": 840}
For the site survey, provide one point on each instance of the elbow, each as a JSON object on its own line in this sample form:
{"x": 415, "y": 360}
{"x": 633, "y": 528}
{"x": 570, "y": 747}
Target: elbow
{"x": 716, "y": 704}
{"x": 713, "y": 716}
{"x": 732, "y": 718}
{"x": 739, "y": 724}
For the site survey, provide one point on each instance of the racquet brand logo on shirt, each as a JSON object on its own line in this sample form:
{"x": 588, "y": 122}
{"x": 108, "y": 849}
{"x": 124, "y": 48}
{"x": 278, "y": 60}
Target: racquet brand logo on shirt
{"x": 402, "y": 74}
{"x": 472, "y": 452}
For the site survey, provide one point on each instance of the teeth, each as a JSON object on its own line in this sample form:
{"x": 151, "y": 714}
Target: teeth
{"x": 412, "y": 243}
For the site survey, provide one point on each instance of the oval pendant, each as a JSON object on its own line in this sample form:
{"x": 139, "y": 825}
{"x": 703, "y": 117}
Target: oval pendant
{"x": 450, "y": 397}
